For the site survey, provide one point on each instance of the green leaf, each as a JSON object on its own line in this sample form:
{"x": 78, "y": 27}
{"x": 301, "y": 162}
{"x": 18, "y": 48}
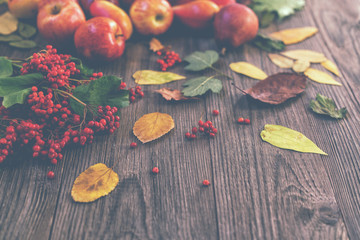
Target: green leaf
{"x": 16, "y": 97}
{"x": 268, "y": 44}
{"x": 10, "y": 85}
{"x": 282, "y": 8}
{"x": 84, "y": 70}
{"x": 266, "y": 19}
{"x": 199, "y": 86}
{"x": 201, "y": 60}
{"x": 6, "y": 68}
{"x": 24, "y": 44}
{"x": 286, "y": 138}
{"x": 326, "y": 106}
{"x": 101, "y": 92}
{"x": 26, "y": 30}
{"x": 10, "y": 38}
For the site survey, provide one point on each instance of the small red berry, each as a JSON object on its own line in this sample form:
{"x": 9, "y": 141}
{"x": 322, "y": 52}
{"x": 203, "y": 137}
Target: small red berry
{"x": 187, "y": 135}
{"x": 240, "y": 120}
{"x": 212, "y": 135}
{"x": 201, "y": 129}
{"x": 192, "y": 136}
{"x": 206, "y": 183}
{"x": 215, "y": 112}
{"x": 194, "y": 130}
{"x": 155, "y": 170}
{"x": 54, "y": 161}
{"x": 50, "y": 175}
{"x": 247, "y": 121}
{"x": 214, "y": 130}
{"x": 34, "y": 89}
{"x": 133, "y": 145}
{"x": 201, "y": 123}
{"x": 122, "y": 85}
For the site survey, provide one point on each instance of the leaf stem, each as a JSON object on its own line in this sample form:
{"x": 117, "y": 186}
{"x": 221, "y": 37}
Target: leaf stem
{"x": 70, "y": 95}
{"x": 221, "y": 73}
{"x": 245, "y": 93}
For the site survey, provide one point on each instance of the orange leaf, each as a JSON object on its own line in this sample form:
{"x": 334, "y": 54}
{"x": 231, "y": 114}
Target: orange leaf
{"x": 170, "y": 94}
{"x": 294, "y": 35}
{"x": 155, "y": 45}
{"x": 152, "y": 126}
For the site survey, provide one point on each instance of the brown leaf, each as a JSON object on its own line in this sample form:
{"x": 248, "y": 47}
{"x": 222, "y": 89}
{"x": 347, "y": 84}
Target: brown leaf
{"x": 170, "y": 94}
{"x": 155, "y": 45}
{"x": 278, "y": 88}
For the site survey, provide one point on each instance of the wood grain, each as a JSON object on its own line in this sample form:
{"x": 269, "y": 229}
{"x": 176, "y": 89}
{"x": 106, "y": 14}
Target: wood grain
{"x": 257, "y": 191}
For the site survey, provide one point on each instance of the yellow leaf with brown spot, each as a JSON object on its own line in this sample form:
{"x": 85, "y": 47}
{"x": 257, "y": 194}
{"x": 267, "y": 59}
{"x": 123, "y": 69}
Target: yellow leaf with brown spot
{"x": 155, "y": 45}
{"x": 320, "y": 77}
{"x": 152, "y": 126}
{"x": 331, "y": 66}
{"x": 248, "y": 69}
{"x": 8, "y": 23}
{"x": 149, "y": 77}
{"x": 294, "y": 35}
{"x": 95, "y": 182}
{"x": 281, "y": 61}
{"x": 306, "y": 55}
{"x": 300, "y": 66}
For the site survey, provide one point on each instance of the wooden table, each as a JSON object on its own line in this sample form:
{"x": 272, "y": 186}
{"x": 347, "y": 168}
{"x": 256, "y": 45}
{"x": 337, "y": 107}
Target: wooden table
{"x": 257, "y": 191}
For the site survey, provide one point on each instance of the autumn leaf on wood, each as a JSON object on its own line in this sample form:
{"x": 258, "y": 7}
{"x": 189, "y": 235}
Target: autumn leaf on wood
{"x": 286, "y": 138}
{"x": 173, "y": 94}
{"x": 149, "y": 77}
{"x": 331, "y": 66}
{"x": 152, "y": 126}
{"x": 155, "y": 45}
{"x": 95, "y": 182}
{"x": 200, "y": 85}
{"x": 248, "y": 69}
{"x": 267, "y": 43}
{"x": 326, "y": 106}
{"x": 281, "y": 61}
{"x": 278, "y": 88}
{"x": 300, "y": 66}
{"x": 8, "y": 23}
{"x": 201, "y": 60}
{"x": 306, "y": 55}
{"x": 321, "y": 77}
{"x": 294, "y": 35}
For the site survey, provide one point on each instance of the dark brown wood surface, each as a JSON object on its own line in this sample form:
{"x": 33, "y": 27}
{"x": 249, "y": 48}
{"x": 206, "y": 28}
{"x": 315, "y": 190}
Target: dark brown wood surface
{"x": 257, "y": 191}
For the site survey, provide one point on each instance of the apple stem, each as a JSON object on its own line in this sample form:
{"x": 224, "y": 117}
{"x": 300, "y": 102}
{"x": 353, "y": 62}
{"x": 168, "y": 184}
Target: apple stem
{"x": 239, "y": 88}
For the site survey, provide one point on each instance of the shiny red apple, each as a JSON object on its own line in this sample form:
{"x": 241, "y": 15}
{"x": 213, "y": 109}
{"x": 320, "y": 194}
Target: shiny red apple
{"x": 151, "y": 17}
{"x": 57, "y": 20}
{"x": 222, "y": 3}
{"x": 235, "y": 24}
{"x": 100, "y": 38}
{"x": 85, "y": 4}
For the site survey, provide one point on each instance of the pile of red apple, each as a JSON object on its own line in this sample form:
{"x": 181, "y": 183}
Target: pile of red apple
{"x": 102, "y": 37}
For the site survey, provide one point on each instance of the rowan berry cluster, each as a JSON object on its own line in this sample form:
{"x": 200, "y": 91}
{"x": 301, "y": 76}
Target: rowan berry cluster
{"x": 45, "y": 124}
{"x": 205, "y": 128}
{"x": 169, "y": 58}
{"x": 135, "y": 93}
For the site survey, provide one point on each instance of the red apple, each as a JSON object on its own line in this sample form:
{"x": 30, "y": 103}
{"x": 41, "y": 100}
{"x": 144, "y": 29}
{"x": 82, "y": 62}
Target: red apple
{"x": 235, "y": 24}
{"x": 196, "y": 14}
{"x": 100, "y": 38}
{"x": 151, "y": 16}
{"x": 57, "y": 21}
{"x": 222, "y": 3}
{"x": 110, "y": 10}
{"x": 23, "y": 8}
{"x": 85, "y": 4}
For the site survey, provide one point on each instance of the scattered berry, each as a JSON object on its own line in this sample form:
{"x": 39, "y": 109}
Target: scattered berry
{"x": 50, "y": 175}
{"x": 240, "y": 120}
{"x": 215, "y": 112}
{"x": 133, "y": 145}
{"x": 247, "y": 121}
{"x": 155, "y": 170}
{"x": 169, "y": 58}
{"x": 194, "y": 130}
{"x": 188, "y": 135}
{"x": 206, "y": 183}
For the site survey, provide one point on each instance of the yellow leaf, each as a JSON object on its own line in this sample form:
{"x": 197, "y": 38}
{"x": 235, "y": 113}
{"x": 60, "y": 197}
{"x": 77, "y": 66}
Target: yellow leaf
{"x": 286, "y": 138}
{"x": 320, "y": 77}
{"x": 329, "y": 65}
{"x": 294, "y": 35}
{"x": 151, "y": 126}
{"x": 8, "y": 23}
{"x": 149, "y": 77}
{"x": 248, "y": 70}
{"x": 155, "y": 45}
{"x": 281, "y": 61}
{"x": 300, "y": 66}
{"x": 95, "y": 182}
{"x": 306, "y": 55}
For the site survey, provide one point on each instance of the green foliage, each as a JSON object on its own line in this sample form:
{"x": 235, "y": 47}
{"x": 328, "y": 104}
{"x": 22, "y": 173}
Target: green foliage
{"x": 268, "y": 44}
{"x": 10, "y": 85}
{"x": 326, "y": 106}
{"x": 101, "y": 92}
{"x": 201, "y": 60}
{"x": 24, "y": 44}
{"x": 26, "y": 30}
{"x": 199, "y": 86}
{"x": 84, "y": 70}
{"x": 16, "y": 97}
{"x": 10, "y": 38}
{"x": 6, "y": 68}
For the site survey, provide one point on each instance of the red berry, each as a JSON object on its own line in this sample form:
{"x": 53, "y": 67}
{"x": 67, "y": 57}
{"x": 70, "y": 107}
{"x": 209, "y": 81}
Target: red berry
{"x": 133, "y": 145}
{"x": 187, "y": 135}
{"x": 194, "y": 130}
{"x": 206, "y": 183}
{"x": 215, "y": 112}
{"x": 50, "y": 175}
{"x": 247, "y": 121}
{"x": 201, "y": 123}
{"x": 201, "y": 129}
{"x": 192, "y": 136}
{"x": 54, "y": 161}
{"x": 34, "y": 89}
{"x": 212, "y": 135}
{"x": 240, "y": 120}
{"x": 214, "y": 130}
{"x": 155, "y": 170}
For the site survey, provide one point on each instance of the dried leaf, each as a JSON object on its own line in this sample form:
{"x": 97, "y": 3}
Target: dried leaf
{"x": 268, "y": 44}
{"x": 8, "y": 23}
{"x": 331, "y": 66}
{"x": 24, "y": 44}
{"x": 170, "y": 94}
{"x": 248, "y": 69}
{"x": 278, "y": 88}
{"x": 300, "y": 66}
{"x": 155, "y": 45}
{"x": 201, "y": 60}
{"x": 149, "y": 77}
{"x": 306, "y": 55}
{"x": 286, "y": 138}
{"x": 320, "y": 77}
{"x": 26, "y": 30}
{"x": 294, "y": 35}
{"x": 95, "y": 182}
{"x": 326, "y": 106}
{"x": 199, "y": 86}
{"x": 151, "y": 126}
{"x": 281, "y": 61}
